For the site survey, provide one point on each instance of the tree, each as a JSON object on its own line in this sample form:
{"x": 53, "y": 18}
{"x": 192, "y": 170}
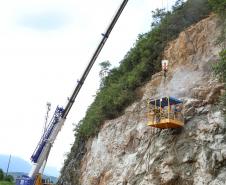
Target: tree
{"x": 1, "y": 175}
{"x": 9, "y": 178}
{"x": 178, "y": 5}
{"x": 158, "y": 15}
{"x": 105, "y": 67}
{"x": 219, "y": 6}
{"x": 104, "y": 71}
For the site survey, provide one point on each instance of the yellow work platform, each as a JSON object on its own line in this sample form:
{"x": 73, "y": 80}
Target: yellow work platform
{"x": 166, "y": 112}
{"x": 166, "y": 123}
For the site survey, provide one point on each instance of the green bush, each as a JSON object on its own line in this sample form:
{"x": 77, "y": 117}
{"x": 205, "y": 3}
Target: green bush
{"x": 1, "y": 175}
{"x": 220, "y": 67}
{"x": 220, "y": 70}
{"x": 5, "y": 179}
{"x": 219, "y": 6}
{"x": 9, "y": 178}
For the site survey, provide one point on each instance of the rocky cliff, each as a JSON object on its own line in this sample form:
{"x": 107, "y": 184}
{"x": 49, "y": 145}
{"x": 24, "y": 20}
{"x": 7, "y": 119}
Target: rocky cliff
{"x": 128, "y": 152}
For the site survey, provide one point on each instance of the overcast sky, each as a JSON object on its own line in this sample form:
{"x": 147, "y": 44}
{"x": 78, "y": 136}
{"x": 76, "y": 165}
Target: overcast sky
{"x": 44, "y": 48}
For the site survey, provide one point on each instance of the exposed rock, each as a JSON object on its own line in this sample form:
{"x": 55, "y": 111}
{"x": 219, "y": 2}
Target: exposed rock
{"x": 128, "y": 152}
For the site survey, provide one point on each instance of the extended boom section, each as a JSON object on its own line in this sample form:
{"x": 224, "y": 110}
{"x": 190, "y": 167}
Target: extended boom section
{"x": 41, "y": 153}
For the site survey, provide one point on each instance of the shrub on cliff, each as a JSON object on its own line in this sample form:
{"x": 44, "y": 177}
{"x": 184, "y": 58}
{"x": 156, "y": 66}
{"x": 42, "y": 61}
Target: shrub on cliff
{"x": 220, "y": 70}
{"x": 219, "y": 6}
{"x": 220, "y": 67}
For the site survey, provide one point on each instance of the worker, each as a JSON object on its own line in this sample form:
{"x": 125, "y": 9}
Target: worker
{"x": 157, "y": 114}
{"x": 177, "y": 111}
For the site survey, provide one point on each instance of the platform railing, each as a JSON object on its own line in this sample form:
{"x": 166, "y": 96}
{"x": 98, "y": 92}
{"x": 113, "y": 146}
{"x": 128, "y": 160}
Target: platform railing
{"x": 156, "y": 116}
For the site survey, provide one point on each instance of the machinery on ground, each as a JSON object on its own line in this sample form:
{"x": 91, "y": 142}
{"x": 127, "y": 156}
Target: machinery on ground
{"x": 41, "y": 153}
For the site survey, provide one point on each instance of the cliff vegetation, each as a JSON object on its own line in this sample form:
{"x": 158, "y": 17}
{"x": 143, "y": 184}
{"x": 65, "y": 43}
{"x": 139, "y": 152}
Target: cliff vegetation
{"x": 219, "y": 6}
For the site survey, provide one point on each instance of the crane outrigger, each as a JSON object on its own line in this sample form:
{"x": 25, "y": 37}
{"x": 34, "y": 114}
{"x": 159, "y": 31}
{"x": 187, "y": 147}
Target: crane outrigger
{"x": 41, "y": 153}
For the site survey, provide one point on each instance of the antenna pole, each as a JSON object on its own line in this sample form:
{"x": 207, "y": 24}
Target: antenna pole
{"x": 8, "y": 165}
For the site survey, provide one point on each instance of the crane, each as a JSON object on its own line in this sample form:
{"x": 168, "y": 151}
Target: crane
{"x": 41, "y": 153}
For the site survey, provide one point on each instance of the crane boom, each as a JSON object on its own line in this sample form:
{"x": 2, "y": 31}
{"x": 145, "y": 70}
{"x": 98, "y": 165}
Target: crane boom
{"x": 40, "y": 155}
{"x": 93, "y": 59}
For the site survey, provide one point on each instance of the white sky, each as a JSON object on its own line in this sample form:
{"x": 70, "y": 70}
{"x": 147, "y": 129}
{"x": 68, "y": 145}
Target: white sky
{"x": 44, "y": 48}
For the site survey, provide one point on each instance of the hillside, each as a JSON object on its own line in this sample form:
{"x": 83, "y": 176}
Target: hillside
{"x": 122, "y": 149}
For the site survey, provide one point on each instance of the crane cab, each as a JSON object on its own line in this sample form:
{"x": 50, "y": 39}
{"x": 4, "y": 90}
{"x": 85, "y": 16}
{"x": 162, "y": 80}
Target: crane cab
{"x": 166, "y": 112}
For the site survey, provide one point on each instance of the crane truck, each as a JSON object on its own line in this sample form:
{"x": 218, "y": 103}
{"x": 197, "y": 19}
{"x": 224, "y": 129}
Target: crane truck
{"x": 41, "y": 153}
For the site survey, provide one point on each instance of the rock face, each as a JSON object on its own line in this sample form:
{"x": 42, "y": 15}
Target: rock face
{"x": 128, "y": 152}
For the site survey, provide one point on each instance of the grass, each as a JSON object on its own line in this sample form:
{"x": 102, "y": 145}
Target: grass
{"x": 6, "y": 183}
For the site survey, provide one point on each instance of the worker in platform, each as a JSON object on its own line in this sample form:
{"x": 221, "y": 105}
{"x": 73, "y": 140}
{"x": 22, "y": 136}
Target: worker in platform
{"x": 157, "y": 114}
{"x": 177, "y": 111}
